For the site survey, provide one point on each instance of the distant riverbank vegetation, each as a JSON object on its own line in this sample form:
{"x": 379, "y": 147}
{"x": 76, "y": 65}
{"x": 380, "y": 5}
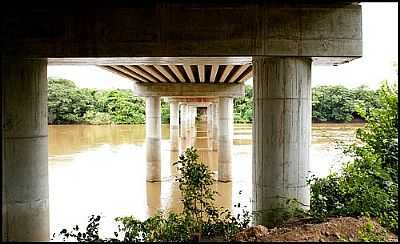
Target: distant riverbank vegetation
{"x": 68, "y": 104}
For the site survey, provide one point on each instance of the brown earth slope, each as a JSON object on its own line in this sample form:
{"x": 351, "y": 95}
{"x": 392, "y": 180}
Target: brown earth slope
{"x": 335, "y": 229}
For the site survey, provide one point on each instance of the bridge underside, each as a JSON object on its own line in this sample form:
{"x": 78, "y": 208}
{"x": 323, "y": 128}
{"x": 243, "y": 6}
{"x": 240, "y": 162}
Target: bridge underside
{"x": 181, "y": 50}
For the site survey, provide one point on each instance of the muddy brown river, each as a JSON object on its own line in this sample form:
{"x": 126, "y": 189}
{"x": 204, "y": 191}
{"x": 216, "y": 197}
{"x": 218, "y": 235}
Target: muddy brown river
{"x": 100, "y": 169}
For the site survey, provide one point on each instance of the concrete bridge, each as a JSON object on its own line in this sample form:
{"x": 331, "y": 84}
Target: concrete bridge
{"x": 194, "y": 50}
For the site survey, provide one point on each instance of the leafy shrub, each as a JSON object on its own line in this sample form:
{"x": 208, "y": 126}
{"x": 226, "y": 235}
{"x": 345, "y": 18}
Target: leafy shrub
{"x": 369, "y": 233}
{"x": 368, "y": 184}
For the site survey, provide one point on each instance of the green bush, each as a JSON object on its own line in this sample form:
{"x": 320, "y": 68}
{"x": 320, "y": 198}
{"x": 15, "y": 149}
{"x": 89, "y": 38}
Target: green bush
{"x": 368, "y": 184}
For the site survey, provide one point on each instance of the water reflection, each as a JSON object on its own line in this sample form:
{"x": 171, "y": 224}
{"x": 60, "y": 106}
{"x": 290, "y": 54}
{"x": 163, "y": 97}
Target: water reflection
{"x": 101, "y": 169}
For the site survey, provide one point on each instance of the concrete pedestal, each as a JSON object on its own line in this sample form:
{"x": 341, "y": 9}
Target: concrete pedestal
{"x": 174, "y": 125}
{"x": 225, "y": 135}
{"x": 281, "y": 131}
{"x": 24, "y": 163}
{"x": 153, "y": 139}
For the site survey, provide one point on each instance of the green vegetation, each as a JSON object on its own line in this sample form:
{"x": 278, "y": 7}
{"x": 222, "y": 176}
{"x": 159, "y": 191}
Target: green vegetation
{"x": 200, "y": 218}
{"x": 368, "y": 185}
{"x": 369, "y": 233}
{"x": 329, "y": 104}
{"x": 243, "y": 107}
{"x": 68, "y": 104}
{"x": 340, "y": 104}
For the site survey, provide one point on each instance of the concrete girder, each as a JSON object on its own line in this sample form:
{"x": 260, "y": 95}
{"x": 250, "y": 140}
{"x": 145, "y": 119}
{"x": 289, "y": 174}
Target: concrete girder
{"x": 188, "y": 90}
{"x": 166, "y": 29}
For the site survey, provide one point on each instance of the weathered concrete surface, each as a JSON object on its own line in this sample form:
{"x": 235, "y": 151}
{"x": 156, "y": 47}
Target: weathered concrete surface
{"x": 153, "y": 197}
{"x": 187, "y": 89}
{"x": 174, "y": 125}
{"x": 25, "y": 169}
{"x": 209, "y": 125}
{"x": 153, "y": 139}
{"x": 225, "y": 136}
{"x": 186, "y": 29}
{"x": 201, "y": 101}
{"x": 281, "y": 131}
{"x": 215, "y": 126}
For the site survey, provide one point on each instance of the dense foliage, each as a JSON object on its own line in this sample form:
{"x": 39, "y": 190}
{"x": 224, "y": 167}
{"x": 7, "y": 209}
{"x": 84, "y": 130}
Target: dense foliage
{"x": 200, "y": 218}
{"x": 329, "y": 104}
{"x": 340, "y": 104}
{"x": 243, "y": 107}
{"x": 368, "y": 185}
{"x": 68, "y": 104}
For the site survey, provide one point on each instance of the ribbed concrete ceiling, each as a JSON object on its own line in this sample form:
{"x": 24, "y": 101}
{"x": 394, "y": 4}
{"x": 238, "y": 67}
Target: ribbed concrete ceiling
{"x": 184, "y": 73}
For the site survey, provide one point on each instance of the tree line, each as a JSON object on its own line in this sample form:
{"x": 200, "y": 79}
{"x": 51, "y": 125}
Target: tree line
{"x": 68, "y": 104}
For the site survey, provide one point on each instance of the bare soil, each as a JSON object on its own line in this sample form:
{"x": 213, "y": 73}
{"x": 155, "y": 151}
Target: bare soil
{"x": 334, "y": 229}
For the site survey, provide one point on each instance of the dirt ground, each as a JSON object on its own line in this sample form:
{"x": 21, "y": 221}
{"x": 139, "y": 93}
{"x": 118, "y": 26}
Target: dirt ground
{"x": 335, "y": 229}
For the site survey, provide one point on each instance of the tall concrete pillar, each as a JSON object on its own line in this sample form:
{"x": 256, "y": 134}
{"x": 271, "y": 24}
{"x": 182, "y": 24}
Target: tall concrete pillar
{"x": 225, "y": 135}
{"x": 281, "y": 131}
{"x": 25, "y": 166}
{"x": 194, "y": 131}
{"x": 209, "y": 126}
{"x": 174, "y": 125}
{"x": 184, "y": 126}
{"x": 153, "y": 139}
{"x": 188, "y": 125}
{"x": 215, "y": 126}
{"x": 181, "y": 120}
{"x": 209, "y": 120}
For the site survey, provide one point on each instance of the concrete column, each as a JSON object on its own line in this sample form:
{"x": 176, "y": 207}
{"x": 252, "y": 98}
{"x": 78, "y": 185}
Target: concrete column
{"x": 153, "y": 139}
{"x": 25, "y": 166}
{"x": 209, "y": 120}
{"x": 184, "y": 126}
{"x": 181, "y": 120}
{"x": 281, "y": 131}
{"x": 225, "y": 135}
{"x": 215, "y": 126}
{"x": 174, "y": 125}
{"x": 153, "y": 197}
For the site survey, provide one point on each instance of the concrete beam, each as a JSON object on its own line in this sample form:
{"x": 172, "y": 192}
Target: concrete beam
{"x": 192, "y": 100}
{"x": 162, "y": 29}
{"x": 188, "y": 90}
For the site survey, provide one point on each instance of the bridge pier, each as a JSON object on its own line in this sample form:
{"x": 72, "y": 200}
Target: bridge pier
{"x": 215, "y": 126}
{"x": 209, "y": 126}
{"x": 174, "y": 125}
{"x": 225, "y": 135}
{"x": 25, "y": 214}
{"x": 281, "y": 131}
{"x": 153, "y": 139}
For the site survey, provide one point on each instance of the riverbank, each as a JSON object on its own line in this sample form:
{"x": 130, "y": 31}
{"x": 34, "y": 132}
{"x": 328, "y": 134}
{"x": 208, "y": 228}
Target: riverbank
{"x": 333, "y": 230}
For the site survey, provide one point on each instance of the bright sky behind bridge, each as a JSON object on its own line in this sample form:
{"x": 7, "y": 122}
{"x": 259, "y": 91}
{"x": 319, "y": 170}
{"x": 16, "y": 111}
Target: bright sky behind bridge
{"x": 380, "y": 53}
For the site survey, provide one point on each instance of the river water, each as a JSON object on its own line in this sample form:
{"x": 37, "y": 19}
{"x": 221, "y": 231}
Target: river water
{"x": 101, "y": 169}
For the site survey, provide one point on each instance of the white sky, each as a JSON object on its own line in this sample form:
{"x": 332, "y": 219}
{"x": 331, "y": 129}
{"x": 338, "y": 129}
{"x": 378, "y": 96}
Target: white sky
{"x": 380, "y": 52}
